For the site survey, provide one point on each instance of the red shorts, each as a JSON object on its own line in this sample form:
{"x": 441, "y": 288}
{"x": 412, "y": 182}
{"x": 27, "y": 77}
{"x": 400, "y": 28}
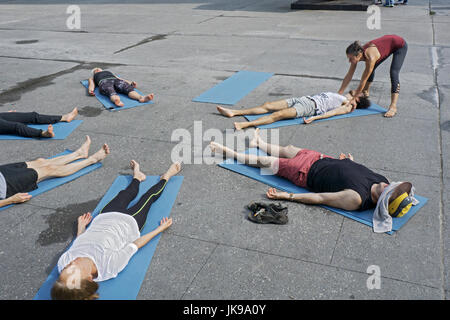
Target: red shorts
{"x": 296, "y": 169}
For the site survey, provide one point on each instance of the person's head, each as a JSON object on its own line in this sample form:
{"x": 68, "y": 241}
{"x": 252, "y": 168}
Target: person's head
{"x": 399, "y": 200}
{"x": 354, "y": 52}
{"x": 362, "y": 102}
{"x": 95, "y": 70}
{"x": 74, "y": 284}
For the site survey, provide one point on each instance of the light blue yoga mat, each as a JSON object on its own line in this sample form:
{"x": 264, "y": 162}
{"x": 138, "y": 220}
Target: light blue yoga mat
{"x": 233, "y": 89}
{"x": 127, "y": 284}
{"x": 108, "y": 104}
{"x": 285, "y": 185}
{"x": 61, "y": 129}
{"x": 373, "y": 109}
{"x": 52, "y": 183}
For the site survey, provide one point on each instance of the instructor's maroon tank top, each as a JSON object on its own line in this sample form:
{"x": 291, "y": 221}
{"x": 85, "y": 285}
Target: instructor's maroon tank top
{"x": 386, "y": 45}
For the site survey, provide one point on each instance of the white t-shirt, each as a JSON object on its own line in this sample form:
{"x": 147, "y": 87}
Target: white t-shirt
{"x": 327, "y": 101}
{"x": 108, "y": 242}
{"x": 2, "y": 187}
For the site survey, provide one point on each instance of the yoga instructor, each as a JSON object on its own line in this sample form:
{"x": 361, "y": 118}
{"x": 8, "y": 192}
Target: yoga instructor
{"x": 373, "y": 54}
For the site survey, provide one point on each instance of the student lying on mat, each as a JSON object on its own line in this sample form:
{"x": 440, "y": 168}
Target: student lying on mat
{"x": 16, "y": 179}
{"x": 109, "y": 85}
{"x": 14, "y": 123}
{"x": 340, "y": 183}
{"x": 104, "y": 249}
{"x": 320, "y": 106}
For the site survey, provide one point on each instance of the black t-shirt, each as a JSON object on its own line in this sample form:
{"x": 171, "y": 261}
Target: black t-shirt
{"x": 102, "y": 75}
{"x": 334, "y": 175}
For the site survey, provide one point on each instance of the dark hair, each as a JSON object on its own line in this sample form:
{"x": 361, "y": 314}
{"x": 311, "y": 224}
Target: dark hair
{"x": 363, "y": 103}
{"x": 354, "y": 48}
{"x": 87, "y": 291}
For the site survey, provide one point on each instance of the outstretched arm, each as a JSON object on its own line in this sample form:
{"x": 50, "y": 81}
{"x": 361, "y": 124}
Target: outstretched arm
{"x": 91, "y": 86}
{"x": 346, "y": 199}
{"x": 83, "y": 221}
{"x": 16, "y": 198}
{"x": 348, "y": 77}
{"x": 164, "y": 224}
{"x": 346, "y": 108}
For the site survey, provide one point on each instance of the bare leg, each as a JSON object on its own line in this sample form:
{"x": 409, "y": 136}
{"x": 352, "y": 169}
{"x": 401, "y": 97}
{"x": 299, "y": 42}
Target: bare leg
{"x": 50, "y": 171}
{"x": 288, "y": 113}
{"x": 264, "y": 108}
{"x": 81, "y": 153}
{"x": 282, "y": 152}
{"x": 136, "y": 96}
{"x": 366, "y": 90}
{"x": 116, "y": 100}
{"x": 393, "y": 107}
{"x": 70, "y": 116}
{"x": 248, "y": 159}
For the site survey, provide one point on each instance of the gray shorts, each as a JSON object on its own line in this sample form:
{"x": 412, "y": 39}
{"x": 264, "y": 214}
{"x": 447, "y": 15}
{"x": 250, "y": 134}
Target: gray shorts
{"x": 304, "y": 106}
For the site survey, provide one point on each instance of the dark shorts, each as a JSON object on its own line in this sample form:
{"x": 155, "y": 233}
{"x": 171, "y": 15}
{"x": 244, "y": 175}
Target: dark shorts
{"x": 111, "y": 87}
{"x": 19, "y": 178}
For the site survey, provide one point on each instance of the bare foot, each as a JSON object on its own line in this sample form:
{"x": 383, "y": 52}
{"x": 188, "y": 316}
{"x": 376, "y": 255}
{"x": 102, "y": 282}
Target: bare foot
{"x": 391, "y": 112}
{"x": 101, "y": 154}
{"x": 49, "y": 132}
{"x": 173, "y": 170}
{"x": 117, "y": 102}
{"x": 83, "y": 151}
{"x": 226, "y": 112}
{"x": 137, "y": 173}
{"x": 147, "y": 98}
{"x": 70, "y": 116}
{"x": 215, "y": 147}
{"x": 239, "y": 125}
{"x": 254, "y": 142}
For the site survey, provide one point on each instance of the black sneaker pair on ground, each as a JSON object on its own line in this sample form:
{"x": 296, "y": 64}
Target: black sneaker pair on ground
{"x": 261, "y": 212}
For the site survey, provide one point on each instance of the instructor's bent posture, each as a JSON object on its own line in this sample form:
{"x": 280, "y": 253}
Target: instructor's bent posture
{"x": 103, "y": 250}
{"x": 373, "y": 54}
{"x": 110, "y": 85}
{"x": 17, "y": 179}
{"x": 340, "y": 183}
{"x": 320, "y": 106}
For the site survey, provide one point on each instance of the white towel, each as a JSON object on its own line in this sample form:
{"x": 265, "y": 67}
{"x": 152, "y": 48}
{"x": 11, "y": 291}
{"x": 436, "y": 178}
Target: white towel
{"x": 382, "y": 220}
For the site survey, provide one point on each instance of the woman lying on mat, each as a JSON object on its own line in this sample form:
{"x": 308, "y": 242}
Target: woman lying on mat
{"x": 15, "y": 123}
{"x": 340, "y": 183}
{"x": 103, "y": 250}
{"x": 109, "y": 85}
{"x": 16, "y": 179}
{"x": 320, "y": 106}
{"x": 373, "y": 53}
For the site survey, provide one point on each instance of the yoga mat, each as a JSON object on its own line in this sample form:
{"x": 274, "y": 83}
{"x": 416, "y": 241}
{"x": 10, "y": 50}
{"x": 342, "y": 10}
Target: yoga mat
{"x": 52, "y": 183}
{"x": 107, "y": 103}
{"x": 61, "y": 129}
{"x": 280, "y": 183}
{"x": 127, "y": 284}
{"x": 233, "y": 89}
{"x": 373, "y": 109}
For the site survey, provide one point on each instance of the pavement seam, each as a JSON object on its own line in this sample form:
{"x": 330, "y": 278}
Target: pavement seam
{"x": 217, "y": 243}
{"x": 435, "y": 67}
{"x": 201, "y": 268}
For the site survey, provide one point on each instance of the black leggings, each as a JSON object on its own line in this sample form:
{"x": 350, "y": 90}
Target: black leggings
{"x": 398, "y": 57}
{"x": 140, "y": 210}
{"x": 15, "y": 123}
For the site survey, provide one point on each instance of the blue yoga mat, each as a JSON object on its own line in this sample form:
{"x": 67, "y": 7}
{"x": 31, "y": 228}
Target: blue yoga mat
{"x": 127, "y": 284}
{"x": 373, "y": 109}
{"x": 107, "y": 103}
{"x": 285, "y": 185}
{"x": 61, "y": 129}
{"x": 52, "y": 183}
{"x": 233, "y": 89}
